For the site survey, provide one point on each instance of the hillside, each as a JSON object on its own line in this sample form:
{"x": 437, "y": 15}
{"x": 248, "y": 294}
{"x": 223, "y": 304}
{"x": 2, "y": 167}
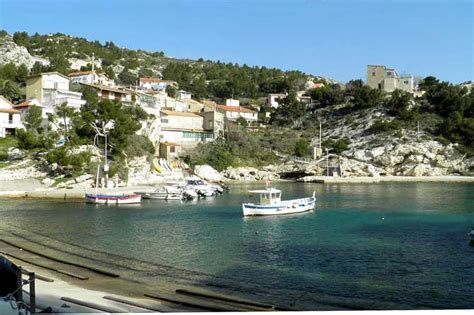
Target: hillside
{"x": 203, "y": 78}
{"x": 366, "y": 131}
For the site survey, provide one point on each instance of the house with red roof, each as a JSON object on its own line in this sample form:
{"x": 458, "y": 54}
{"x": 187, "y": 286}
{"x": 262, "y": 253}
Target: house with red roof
{"x": 233, "y": 111}
{"x": 10, "y": 118}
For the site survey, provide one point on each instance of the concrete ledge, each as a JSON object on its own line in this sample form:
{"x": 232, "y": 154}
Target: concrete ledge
{"x": 390, "y": 179}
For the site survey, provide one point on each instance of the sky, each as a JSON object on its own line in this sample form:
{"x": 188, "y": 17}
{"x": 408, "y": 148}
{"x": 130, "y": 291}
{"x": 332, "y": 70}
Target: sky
{"x": 332, "y": 38}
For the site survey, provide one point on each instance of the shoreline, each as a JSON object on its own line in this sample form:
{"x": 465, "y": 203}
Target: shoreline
{"x": 37, "y": 191}
{"x": 65, "y": 276}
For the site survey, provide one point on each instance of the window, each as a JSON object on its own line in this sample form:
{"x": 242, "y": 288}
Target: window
{"x": 389, "y": 73}
{"x": 164, "y": 121}
{"x": 373, "y": 74}
{"x": 10, "y": 118}
{"x": 406, "y": 82}
{"x": 172, "y": 149}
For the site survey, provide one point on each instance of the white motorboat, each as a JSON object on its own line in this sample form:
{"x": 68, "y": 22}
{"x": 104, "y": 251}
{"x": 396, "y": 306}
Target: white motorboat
{"x": 471, "y": 236}
{"x": 164, "y": 193}
{"x": 270, "y": 203}
{"x": 190, "y": 194}
{"x": 200, "y": 187}
{"x": 113, "y": 199}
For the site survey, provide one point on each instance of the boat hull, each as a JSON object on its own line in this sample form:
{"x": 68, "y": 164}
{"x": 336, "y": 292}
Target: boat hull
{"x": 113, "y": 199}
{"x": 285, "y": 207}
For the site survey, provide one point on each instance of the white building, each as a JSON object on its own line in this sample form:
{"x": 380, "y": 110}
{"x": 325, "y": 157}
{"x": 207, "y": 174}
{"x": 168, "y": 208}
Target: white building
{"x": 235, "y": 112}
{"x": 183, "y": 128}
{"x": 182, "y": 95}
{"x": 51, "y": 89}
{"x": 24, "y": 106}
{"x": 91, "y": 77}
{"x": 155, "y": 84}
{"x": 42, "y": 61}
{"x": 112, "y": 93}
{"x": 10, "y": 118}
{"x": 272, "y": 99}
{"x": 386, "y": 79}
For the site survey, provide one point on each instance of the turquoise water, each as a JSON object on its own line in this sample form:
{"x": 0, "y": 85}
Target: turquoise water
{"x": 397, "y": 243}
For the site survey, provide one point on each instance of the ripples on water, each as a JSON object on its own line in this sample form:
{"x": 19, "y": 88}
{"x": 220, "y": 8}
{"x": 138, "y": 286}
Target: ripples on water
{"x": 401, "y": 243}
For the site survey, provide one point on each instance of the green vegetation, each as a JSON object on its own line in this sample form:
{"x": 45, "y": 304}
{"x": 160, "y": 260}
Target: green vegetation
{"x": 5, "y": 144}
{"x": 380, "y": 125}
{"x": 336, "y": 146}
{"x": 456, "y": 105}
{"x": 301, "y": 147}
{"x": 289, "y": 111}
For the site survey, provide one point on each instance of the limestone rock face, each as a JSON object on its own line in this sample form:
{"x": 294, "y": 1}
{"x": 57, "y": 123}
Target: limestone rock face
{"x": 415, "y": 158}
{"x": 208, "y": 173}
{"x": 23, "y": 169}
{"x": 11, "y": 52}
{"x": 249, "y": 174}
{"x": 15, "y": 154}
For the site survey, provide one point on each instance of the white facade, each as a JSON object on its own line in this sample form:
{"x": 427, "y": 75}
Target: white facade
{"x": 10, "y": 119}
{"x": 183, "y": 95}
{"x": 185, "y": 129}
{"x": 385, "y": 79}
{"x": 51, "y": 90}
{"x": 272, "y": 99}
{"x": 91, "y": 77}
{"x": 155, "y": 84}
{"x": 234, "y": 113}
{"x": 232, "y": 102}
{"x": 53, "y": 98}
{"x": 42, "y": 61}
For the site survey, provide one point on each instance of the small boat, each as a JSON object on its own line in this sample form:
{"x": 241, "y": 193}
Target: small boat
{"x": 168, "y": 192}
{"x": 270, "y": 203}
{"x": 113, "y": 199}
{"x": 200, "y": 187}
{"x": 190, "y": 194}
{"x": 471, "y": 236}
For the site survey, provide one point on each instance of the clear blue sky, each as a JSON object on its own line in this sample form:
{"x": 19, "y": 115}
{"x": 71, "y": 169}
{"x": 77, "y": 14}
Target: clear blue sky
{"x": 333, "y": 38}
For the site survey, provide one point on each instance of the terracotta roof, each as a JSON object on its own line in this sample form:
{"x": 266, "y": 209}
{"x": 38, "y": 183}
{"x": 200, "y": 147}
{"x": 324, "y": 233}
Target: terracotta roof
{"x": 44, "y": 73}
{"x": 106, "y": 88}
{"x": 155, "y": 80}
{"x": 23, "y": 104}
{"x": 77, "y": 73}
{"x": 184, "y": 114}
{"x": 235, "y": 109}
{"x": 170, "y": 144}
{"x": 6, "y": 110}
{"x": 26, "y": 103}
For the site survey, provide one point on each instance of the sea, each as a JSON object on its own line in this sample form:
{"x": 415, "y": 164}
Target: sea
{"x": 404, "y": 245}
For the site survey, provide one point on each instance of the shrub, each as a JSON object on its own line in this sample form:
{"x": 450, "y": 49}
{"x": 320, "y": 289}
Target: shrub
{"x": 27, "y": 139}
{"x": 62, "y": 156}
{"x": 382, "y": 126}
{"x": 337, "y": 146}
{"x": 139, "y": 146}
{"x": 301, "y": 147}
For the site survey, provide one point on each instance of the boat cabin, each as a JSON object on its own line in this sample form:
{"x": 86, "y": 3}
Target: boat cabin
{"x": 270, "y": 196}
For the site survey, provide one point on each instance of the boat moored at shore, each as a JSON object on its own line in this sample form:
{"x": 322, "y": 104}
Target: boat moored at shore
{"x": 113, "y": 199}
{"x": 270, "y": 203}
